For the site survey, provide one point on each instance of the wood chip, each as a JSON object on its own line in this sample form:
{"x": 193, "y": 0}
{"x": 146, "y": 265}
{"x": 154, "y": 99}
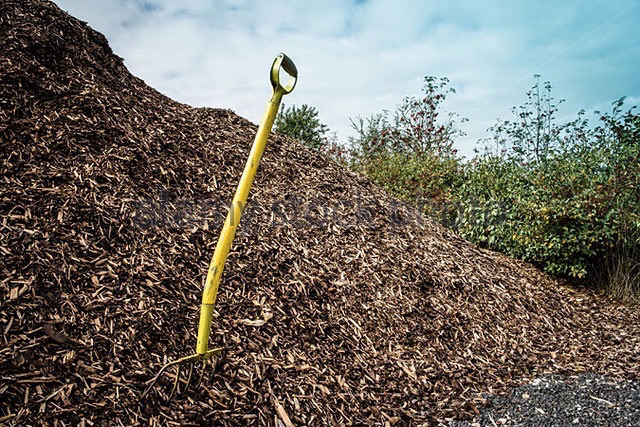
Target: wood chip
{"x": 345, "y": 303}
{"x": 283, "y": 415}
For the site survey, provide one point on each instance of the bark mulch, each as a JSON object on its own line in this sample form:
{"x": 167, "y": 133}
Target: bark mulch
{"x": 338, "y": 306}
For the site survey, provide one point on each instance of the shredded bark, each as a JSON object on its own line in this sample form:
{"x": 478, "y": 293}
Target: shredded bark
{"x": 339, "y": 305}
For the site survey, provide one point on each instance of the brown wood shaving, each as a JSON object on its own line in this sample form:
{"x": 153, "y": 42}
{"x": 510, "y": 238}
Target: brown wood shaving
{"x": 348, "y": 306}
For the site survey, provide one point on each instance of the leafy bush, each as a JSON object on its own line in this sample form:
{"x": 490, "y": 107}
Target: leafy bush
{"x": 304, "y": 125}
{"x": 416, "y": 126}
{"x": 571, "y": 208}
{"x": 546, "y": 214}
{"x": 425, "y": 179}
{"x": 618, "y": 269}
{"x": 410, "y": 152}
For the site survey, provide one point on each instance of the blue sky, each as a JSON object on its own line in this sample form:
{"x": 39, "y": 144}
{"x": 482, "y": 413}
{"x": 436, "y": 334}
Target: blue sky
{"x": 361, "y": 57}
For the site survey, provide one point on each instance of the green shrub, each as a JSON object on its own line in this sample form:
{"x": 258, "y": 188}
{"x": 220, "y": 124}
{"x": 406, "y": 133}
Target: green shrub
{"x": 303, "y": 124}
{"x": 425, "y": 179}
{"x": 563, "y": 196}
{"x": 574, "y": 212}
{"x": 409, "y": 151}
{"x": 546, "y": 214}
{"x": 417, "y": 126}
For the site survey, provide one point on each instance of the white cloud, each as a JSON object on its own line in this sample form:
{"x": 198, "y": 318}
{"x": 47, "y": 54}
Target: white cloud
{"x": 358, "y": 59}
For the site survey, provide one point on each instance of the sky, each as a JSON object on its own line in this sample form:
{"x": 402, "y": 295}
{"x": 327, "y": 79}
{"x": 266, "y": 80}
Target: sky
{"x": 360, "y": 57}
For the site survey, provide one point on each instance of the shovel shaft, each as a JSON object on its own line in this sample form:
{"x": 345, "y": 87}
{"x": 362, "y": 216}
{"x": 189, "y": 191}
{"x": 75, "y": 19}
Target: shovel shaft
{"x": 230, "y": 225}
{"x": 240, "y": 200}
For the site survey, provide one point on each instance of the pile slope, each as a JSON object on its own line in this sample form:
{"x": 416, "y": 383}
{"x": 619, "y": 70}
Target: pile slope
{"x": 338, "y": 306}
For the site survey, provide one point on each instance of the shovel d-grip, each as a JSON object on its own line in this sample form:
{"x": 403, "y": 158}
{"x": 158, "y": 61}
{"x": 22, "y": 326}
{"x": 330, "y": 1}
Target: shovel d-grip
{"x": 203, "y": 354}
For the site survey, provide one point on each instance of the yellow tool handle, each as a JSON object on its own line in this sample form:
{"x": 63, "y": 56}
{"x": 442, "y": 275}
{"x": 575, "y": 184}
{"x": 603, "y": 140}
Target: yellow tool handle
{"x": 240, "y": 199}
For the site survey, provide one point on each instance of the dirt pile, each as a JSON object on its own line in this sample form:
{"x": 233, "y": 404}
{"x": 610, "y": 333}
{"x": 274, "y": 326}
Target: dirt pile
{"x": 338, "y": 305}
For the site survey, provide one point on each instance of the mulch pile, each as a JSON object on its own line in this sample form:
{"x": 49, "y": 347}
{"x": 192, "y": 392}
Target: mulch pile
{"x": 338, "y": 306}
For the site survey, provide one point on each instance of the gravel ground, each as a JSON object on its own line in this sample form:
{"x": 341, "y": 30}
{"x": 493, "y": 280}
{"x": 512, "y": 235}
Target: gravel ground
{"x": 584, "y": 400}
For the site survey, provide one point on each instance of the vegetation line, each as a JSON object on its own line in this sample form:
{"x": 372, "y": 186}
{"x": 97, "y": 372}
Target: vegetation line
{"x": 564, "y": 196}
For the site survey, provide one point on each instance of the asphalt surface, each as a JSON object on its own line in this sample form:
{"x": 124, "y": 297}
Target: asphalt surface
{"x": 582, "y": 400}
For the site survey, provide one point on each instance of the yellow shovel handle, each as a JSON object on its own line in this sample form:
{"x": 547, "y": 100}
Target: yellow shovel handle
{"x": 240, "y": 199}
{"x": 282, "y": 61}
